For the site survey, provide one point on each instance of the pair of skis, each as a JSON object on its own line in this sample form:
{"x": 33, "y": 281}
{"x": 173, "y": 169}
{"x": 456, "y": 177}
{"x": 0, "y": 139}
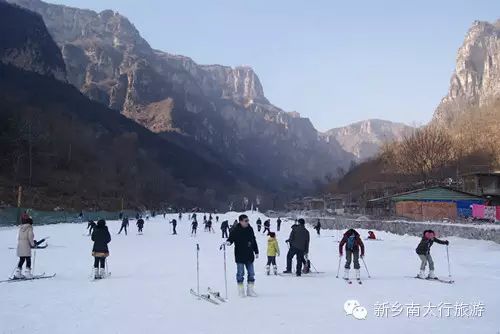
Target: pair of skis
{"x": 22, "y": 279}
{"x": 349, "y": 281}
{"x": 436, "y": 279}
{"x": 211, "y": 296}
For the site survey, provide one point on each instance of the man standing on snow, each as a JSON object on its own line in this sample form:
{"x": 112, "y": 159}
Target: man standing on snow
{"x": 353, "y": 244}
{"x": 299, "y": 245}
{"x": 225, "y": 228}
{"x": 124, "y": 225}
{"x": 278, "y": 224}
{"x": 245, "y": 252}
{"x": 174, "y": 226}
{"x": 259, "y": 224}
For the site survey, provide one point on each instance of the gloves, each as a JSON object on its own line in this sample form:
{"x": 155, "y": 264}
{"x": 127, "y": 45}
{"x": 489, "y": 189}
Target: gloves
{"x": 257, "y": 255}
{"x": 447, "y": 242}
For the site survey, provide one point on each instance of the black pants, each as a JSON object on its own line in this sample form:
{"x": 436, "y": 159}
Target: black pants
{"x": 278, "y": 227}
{"x": 193, "y": 230}
{"x": 124, "y": 227}
{"x": 21, "y": 262}
{"x": 266, "y": 229}
{"x": 224, "y": 233}
{"x": 259, "y": 228}
{"x": 318, "y": 231}
{"x": 139, "y": 229}
{"x": 174, "y": 227}
{"x": 271, "y": 260}
{"x": 99, "y": 260}
{"x": 300, "y": 259}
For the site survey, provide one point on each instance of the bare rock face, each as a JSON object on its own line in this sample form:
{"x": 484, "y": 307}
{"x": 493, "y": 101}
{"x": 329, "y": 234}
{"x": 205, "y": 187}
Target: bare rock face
{"x": 476, "y": 80}
{"x": 217, "y": 107}
{"x": 364, "y": 139}
{"x": 28, "y": 45}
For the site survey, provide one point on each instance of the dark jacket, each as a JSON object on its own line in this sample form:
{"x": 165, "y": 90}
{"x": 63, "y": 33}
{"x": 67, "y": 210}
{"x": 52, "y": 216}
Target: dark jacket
{"x": 245, "y": 245}
{"x": 318, "y": 226}
{"x": 299, "y": 238}
{"x": 140, "y": 222}
{"x": 259, "y": 222}
{"x": 424, "y": 247}
{"x": 358, "y": 243}
{"x": 194, "y": 224}
{"x": 101, "y": 238}
{"x": 125, "y": 222}
{"x": 267, "y": 223}
{"x": 174, "y": 222}
{"x": 224, "y": 225}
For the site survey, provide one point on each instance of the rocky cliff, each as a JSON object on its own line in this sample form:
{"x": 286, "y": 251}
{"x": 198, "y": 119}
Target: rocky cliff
{"x": 476, "y": 80}
{"x": 204, "y": 107}
{"x": 364, "y": 139}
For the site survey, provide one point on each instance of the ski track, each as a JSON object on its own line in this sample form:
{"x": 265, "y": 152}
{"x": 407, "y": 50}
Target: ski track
{"x": 153, "y": 273}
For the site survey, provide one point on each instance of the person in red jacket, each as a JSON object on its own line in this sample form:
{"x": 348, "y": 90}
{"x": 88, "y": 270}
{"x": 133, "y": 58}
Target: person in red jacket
{"x": 353, "y": 244}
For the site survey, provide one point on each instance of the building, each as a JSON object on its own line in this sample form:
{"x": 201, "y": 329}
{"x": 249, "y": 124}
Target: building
{"x": 435, "y": 203}
{"x": 485, "y": 184}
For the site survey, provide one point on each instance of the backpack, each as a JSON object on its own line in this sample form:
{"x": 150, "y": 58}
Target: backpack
{"x": 351, "y": 242}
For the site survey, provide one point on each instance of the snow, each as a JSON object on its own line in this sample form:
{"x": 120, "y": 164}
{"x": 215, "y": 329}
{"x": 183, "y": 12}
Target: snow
{"x": 152, "y": 274}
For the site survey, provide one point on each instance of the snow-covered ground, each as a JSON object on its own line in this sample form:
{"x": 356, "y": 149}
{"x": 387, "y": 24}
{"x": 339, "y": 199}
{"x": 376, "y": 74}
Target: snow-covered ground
{"x": 148, "y": 291}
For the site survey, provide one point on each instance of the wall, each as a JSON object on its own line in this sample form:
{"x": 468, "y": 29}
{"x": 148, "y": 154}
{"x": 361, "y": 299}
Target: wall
{"x": 481, "y": 232}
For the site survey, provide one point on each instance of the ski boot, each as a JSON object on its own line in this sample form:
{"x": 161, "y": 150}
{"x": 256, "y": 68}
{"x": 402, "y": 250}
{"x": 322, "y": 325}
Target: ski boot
{"x": 275, "y": 269}
{"x": 27, "y": 273}
{"x": 431, "y": 275}
{"x": 18, "y": 274}
{"x": 96, "y": 273}
{"x": 358, "y": 275}
{"x": 268, "y": 270}
{"x": 421, "y": 274}
{"x": 346, "y": 274}
{"x": 241, "y": 290}
{"x": 250, "y": 290}
{"x": 102, "y": 273}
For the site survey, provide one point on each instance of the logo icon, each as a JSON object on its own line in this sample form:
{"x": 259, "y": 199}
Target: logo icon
{"x": 354, "y": 308}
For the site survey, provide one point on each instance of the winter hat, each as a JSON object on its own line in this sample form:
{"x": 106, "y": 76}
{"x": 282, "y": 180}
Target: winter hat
{"x": 101, "y": 223}
{"x": 272, "y": 235}
{"x": 302, "y": 221}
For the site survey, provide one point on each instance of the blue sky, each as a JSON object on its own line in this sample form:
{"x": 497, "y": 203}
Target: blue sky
{"x": 335, "y": 62}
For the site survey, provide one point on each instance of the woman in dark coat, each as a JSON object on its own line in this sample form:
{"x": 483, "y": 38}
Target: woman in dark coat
{"x": 100, "y": 251}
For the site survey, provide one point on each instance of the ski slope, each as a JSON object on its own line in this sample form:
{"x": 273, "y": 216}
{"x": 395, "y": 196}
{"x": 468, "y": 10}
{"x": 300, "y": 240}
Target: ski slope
{"x": 148, "y": 291}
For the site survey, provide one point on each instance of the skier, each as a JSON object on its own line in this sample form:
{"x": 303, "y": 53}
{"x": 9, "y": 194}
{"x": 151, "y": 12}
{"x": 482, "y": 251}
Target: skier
{"x": 353, "y": 243}
{"x": 317, "y": 227}
{"x": 90, "y": 226}
{"x": 424, "y": 252}
{"x": 273, "y": 250}
{"x": 180, "y": 215}
{"x": 299, "y": 245}
{"x": 193, "y": 216}
{"x": 25, "y": 241}
{"x": 101, "y": 238}
{"x": 267, "y": 226}
{"x": 224, "y": 226}
{"x": 259, "y": 224}
{"x": 140, "y": 225}
{"x": 209, "y": 226}
{"x": 216, "y": 219}
{"x": 245, "y": 251}
{"x": 194, "y": 226}
{"x": 174, "y": 226}
{"x": 124, "y": 225}
{"x": 278, "y": 224}
{"x": 371, "y": 235}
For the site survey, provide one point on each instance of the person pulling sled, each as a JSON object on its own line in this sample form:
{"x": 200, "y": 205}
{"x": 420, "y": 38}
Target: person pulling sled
{"x": 100, "y": 251}
{"x": 424, "y": 253}
{"x": 353, "y": 245}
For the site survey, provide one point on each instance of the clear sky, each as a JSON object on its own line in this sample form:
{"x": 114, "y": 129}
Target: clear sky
{"x": 335, "y": 62}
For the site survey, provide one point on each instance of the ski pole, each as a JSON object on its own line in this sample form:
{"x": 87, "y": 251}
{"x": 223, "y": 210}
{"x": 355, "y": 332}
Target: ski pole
{"x": 364, "y": 263}
{"x": 448, "y": 258}
{"x": 338, "y": 268}
{"x": 223, "y": 246}
{"x": 198, "y": 268}
{"x": 312, "y": 265}
{"x": 34, "y": 259}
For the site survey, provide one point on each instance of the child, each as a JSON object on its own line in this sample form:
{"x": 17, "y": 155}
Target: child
{"x": 273, "y": 250}
{"x": 424, "y": 252}
{"x": 353, "y": 244}
{"x": 101, "y": 238}
{"x": 371, "y": 235}
{"x": 140, "y": 225}
{"x": 25, "y": 241}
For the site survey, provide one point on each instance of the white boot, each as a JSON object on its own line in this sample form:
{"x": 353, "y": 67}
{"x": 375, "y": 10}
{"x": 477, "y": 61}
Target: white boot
{"x": 102, "y": 273}
{"x": 275, "y": 269}
{"x": 18, "y": 274}
{"x": 346, "y": 274}
{"x": 431, "y": 275}
{"x": 268, "y": 270}
{"x": 96, "y": 273}
{"x": 27, "y": 273}
{"x": 250, "y": 290}
{"x": 421, "y": 274}
{"x": 241, "y": 290}
{"x": 358, "y": 276}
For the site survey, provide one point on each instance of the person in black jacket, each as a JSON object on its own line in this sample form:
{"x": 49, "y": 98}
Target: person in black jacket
{"x": 224, "y": 226}
{"x": 174, "y": 226}
{"x": 424, "y": 252}
{"x": 317, "y": 227}
{"x": 267, "y": 226}
{"x": 259, "y": 224}
{"x": 140, "y": 225}
{"x": 278, "y": 224}
{"x": 299, "y": 246}
{"x": 90, "y": 226}
{"x": 124, "y": 225}
{"x": 194, "y": 227}
{"x": 100, "y": 251}
{"x": 245, "y": 252}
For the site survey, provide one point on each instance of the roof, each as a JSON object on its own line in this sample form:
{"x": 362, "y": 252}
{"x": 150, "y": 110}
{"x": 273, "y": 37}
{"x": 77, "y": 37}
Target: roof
{"x": 437, "y": 193}
{"x": 495, "y": 173}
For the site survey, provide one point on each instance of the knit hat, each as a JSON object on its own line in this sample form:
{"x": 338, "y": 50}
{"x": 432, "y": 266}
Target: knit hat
{"x": 272, "y": 235}
{"x": 302, "y": 221}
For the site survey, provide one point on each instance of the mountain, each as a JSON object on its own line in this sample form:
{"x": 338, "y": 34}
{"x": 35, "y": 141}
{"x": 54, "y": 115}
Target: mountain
{"x": 67, "y": 150}
{"x": 476, "y": 80}
{"x": 203, "y": 108}
{"x": 364, "y": 139}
